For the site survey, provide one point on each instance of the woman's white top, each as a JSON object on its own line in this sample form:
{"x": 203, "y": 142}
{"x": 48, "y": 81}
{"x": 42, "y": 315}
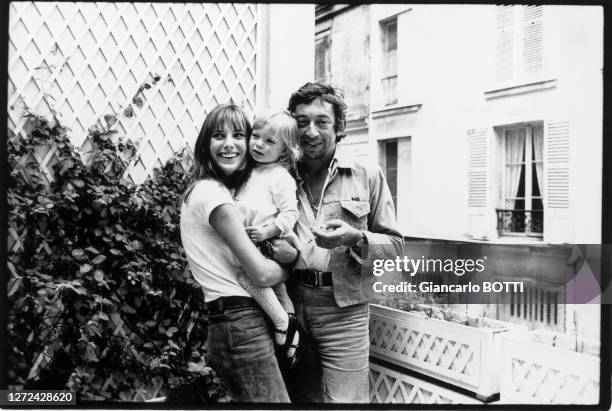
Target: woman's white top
{"x": 210, "y": 259}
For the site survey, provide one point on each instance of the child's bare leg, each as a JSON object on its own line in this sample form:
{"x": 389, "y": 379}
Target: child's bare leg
{"x": 283, "y": 296}
{"x": 269, "y": 303}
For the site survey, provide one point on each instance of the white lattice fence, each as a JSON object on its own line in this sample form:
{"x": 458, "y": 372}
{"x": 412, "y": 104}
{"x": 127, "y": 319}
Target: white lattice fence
{"x": 141, "y": 392}
{"x": 388, "y": 386}
{"x": 535, "y": 373}
{"x": 457, "y": 354}
{"x": 85, "y": 60}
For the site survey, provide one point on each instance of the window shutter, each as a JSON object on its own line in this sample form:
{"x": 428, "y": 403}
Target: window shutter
{"x": 557, "y": 189}
{"x": 477, "y": 182}
{"x": 321, "y": 59}
{"x": 532, "y": 40}
{"x": 504, "y": 48}
{"x": 557, "y": 225}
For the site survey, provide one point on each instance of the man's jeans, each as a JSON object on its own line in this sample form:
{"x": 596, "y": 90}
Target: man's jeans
{"x": 333, "y": 359}
{"x": 241, "y": 350}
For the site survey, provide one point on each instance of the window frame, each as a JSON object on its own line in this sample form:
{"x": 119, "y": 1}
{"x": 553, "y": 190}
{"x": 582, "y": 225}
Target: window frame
{"x": 528, "y": 163}
{"x": 392, "y": 181}
{"x": 389, "y": 68}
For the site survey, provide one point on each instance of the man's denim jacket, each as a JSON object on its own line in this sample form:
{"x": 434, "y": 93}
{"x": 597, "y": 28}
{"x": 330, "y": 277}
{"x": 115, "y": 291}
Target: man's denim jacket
{"x": 359, "y": 195}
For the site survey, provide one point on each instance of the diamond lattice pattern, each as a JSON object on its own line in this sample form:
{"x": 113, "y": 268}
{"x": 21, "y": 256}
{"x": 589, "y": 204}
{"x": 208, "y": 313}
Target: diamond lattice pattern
{"x": 416, "y": 347}
{"x": 388, "y": 386}
{"x": 85, "y": 60}
{"x": 535, "y": 383}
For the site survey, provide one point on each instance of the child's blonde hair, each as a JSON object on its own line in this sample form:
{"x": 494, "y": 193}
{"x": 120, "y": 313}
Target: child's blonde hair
{"x": 283, "y": 125}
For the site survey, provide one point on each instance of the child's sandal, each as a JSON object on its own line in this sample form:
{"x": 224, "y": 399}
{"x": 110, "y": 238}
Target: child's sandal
{"x": 282, "y": 350}
{"x": 279, "y": 331}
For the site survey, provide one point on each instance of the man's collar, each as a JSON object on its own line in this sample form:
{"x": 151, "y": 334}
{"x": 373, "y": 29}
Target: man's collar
{"x": 342, "y": 160}
{"x": 339, "y": 160}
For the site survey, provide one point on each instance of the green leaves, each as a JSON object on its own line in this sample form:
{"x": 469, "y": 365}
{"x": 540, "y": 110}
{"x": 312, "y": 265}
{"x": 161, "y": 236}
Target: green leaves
{"x": 129, "y": 111}
{"x": 99, "y": 259}
{"x": 98, "y": 268}
{"x": 79, "y": 255}
{"x": 137, "y": 100}
{"x": 13, "y": 285}
{"x": 110, "y": 120}
{"x": 99, "y": 275}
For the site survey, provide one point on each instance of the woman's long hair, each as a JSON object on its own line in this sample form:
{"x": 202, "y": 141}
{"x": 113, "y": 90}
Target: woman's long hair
{"x": 204, "y": 166}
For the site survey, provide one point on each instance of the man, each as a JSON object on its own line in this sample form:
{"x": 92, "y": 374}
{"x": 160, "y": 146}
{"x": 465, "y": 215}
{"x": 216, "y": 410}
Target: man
{"x": 346, "y": 219}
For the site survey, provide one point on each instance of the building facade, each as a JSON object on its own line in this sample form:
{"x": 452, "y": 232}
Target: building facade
{"x": 486, "y": 119}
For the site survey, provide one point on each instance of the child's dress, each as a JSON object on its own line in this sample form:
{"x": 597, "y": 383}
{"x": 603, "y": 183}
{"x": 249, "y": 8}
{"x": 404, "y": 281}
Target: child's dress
{"x": 269, "y": 197}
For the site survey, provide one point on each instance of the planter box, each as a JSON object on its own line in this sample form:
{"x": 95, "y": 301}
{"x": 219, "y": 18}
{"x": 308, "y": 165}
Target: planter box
{"x": 535, "y": 372}
{"x": 464, "y": 356}
{"x": 389, "y": 386}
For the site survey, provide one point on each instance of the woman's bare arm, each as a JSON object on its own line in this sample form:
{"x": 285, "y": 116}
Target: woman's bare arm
{"x": 264, "y": 272}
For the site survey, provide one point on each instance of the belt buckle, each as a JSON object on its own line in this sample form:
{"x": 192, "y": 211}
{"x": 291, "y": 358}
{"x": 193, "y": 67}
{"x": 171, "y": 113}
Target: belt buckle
{"x": 311, "y": 275}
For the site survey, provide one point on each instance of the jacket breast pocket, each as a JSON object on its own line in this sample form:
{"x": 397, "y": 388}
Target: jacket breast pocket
{"x": 355, "y": 213}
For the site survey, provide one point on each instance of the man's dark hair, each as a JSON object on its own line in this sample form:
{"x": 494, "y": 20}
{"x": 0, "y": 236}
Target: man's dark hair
{"x": 311, "y": 91}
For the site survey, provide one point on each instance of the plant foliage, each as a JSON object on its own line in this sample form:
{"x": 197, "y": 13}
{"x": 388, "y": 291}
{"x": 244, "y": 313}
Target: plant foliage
{"x": 99, "y": 298}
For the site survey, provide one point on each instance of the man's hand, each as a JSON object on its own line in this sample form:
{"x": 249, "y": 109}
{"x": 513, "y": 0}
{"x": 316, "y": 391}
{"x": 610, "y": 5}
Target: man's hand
{"x": 282, "y": 251}
{"x": 336, "y": 233}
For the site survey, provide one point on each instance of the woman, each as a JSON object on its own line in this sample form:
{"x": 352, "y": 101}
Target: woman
{"x": 217, "y": 247}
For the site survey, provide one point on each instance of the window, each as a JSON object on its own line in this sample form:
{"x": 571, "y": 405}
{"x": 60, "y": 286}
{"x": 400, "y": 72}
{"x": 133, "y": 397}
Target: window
{"x": 394, "y": 157}
{"x": 389, "y": 61}
{"x": 391, "y": 169}
{"x": 522, "y": 211}
{"x": 322, "y": 60}
{"x": 519, "y": 42}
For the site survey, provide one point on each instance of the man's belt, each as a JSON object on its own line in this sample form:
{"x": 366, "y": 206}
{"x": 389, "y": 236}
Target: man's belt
{"x": 314, "y": 278}
{"x": 224, "y": 303}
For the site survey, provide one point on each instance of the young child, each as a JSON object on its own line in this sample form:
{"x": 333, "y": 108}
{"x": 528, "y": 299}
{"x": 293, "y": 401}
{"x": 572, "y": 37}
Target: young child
{"x": 268, "y": 202}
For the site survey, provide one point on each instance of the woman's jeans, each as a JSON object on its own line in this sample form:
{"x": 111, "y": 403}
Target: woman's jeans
{"x": 241, "y": 350}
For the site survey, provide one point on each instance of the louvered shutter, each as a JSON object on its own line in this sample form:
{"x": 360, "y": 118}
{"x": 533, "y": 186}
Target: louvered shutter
{"x": 477, "y": 182}
{"x": 504, "y": 47}
{"x": 322, "y": 59}
{"x": 557, "y": 217}
{"x": 531, "y": 58}
{"x": 519, "y": 42}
